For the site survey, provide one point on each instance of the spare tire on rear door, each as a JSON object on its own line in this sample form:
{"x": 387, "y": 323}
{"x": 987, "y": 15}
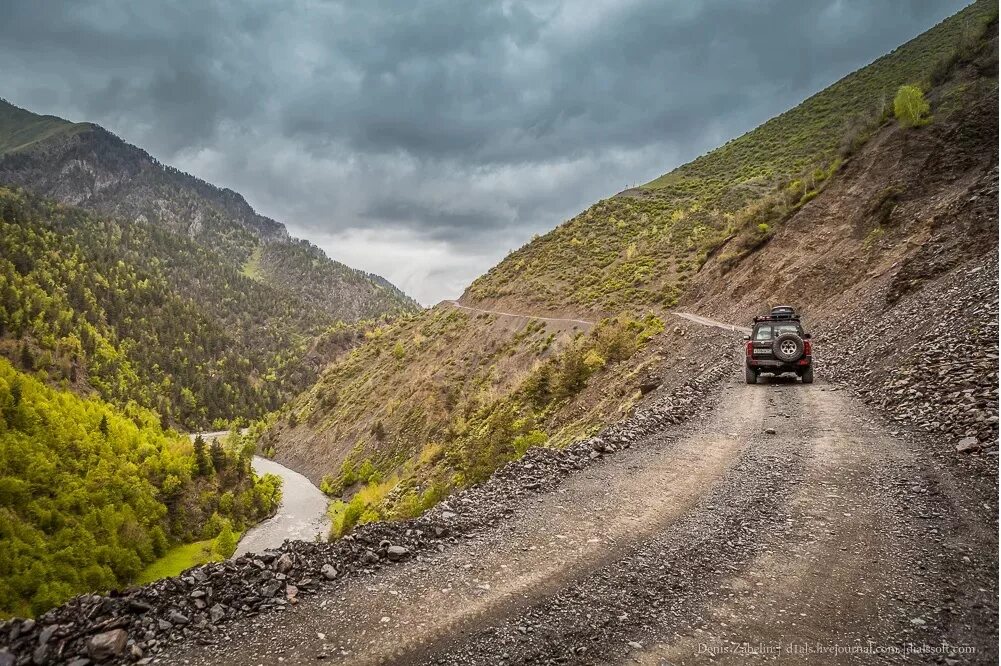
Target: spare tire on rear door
{"x": 788, "y": 347}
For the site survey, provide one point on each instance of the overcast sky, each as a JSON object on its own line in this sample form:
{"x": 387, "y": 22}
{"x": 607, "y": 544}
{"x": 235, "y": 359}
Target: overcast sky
{"x": 425, "y": 143}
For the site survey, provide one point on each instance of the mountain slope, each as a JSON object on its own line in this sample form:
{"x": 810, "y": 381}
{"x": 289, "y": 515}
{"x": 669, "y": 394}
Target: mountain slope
{"x": 434, "y": 402}
{"x": 639, "y": 248}
{"x": 90, "y": 494}
{"x": 85, "y": 165}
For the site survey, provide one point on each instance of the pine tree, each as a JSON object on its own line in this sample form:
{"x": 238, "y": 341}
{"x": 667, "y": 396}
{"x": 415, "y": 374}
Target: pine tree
{"x": 201, "y": 466}
{"x": 27, "y": 358}
{"x": 218, "y": 456}
{"x": 225, "y": 542}
{"x": 103, "y": 426}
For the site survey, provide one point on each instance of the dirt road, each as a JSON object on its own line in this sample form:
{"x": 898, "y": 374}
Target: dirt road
{"x": 787, "y": 523}
{"x": 584, "y": 323}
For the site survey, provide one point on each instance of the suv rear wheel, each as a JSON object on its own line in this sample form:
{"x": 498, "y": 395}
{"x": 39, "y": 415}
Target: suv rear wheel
{"x": 788, "y": 348}
{"x": 750, "y": 376}
{"x": 808, "y": 375}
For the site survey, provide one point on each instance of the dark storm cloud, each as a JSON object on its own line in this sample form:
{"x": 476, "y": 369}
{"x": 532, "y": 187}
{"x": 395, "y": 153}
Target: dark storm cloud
{"x": 424, "y": 141}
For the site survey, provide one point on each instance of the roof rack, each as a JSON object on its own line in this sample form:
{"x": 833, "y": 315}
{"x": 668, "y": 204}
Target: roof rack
{"x": 777, "y": 317}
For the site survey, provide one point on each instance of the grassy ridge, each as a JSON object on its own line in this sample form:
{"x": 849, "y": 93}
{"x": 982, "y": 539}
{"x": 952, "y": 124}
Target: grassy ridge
{"x": 19, "y": 128}
{"x": 641, "y": 247}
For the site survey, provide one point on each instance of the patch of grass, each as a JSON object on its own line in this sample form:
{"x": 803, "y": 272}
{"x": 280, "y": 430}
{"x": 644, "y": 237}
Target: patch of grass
{"x": 179, "y": 558}
{"x": 252, "y": 267}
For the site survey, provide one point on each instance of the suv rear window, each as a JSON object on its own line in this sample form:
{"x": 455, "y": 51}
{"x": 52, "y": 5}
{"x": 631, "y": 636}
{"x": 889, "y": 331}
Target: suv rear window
{"x": 771, "y": 331}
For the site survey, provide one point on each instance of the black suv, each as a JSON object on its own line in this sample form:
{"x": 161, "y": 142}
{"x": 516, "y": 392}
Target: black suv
{"x": 777, "y": 345}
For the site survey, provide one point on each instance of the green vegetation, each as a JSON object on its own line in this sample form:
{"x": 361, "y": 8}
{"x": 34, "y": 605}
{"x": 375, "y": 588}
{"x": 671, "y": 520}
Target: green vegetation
{"x": 455, "y": 406}
{"x": 19, "y": 129}
{"x": 910, "y": 107}
{"x": 90, "y": 495}
{"x": 91, "y": 302}
{"x": 639, "y": 249}
{"x": 179, "y": 558}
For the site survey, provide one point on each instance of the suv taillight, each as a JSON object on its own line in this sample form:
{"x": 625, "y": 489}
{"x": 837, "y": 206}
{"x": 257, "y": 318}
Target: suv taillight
{"x": 807, "y": 348}
{"x": 749, "y": 348}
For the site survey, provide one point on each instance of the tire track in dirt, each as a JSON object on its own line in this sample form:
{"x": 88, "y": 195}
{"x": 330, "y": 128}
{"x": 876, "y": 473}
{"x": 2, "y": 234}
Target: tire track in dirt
{"x": 826, "y": 531}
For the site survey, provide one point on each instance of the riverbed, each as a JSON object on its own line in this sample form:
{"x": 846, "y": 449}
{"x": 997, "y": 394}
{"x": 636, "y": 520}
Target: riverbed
{"x": 301, "y": 515}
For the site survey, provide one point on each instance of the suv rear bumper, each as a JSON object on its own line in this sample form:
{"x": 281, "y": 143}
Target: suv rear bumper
{"x": 778, "y": 367}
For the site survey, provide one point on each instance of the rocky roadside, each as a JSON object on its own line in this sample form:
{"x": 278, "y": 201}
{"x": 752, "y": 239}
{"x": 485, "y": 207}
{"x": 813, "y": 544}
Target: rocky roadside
{"x": 930, "y": 361}
{"x": 136, "y": 624}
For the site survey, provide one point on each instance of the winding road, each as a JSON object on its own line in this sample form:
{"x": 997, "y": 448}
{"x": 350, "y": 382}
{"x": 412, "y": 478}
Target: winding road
{"x": 704, "y": 321}
{"x": 787, "y": 523}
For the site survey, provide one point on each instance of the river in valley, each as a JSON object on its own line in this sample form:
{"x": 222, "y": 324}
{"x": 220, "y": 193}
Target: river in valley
{"x": 301, "y": 515}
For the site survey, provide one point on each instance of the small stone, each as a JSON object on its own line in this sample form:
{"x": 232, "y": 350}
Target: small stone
{"x": 163, "y": 625}
{"x": 107, "y": 645}
{"x": 217, "y": 613}
{"x": 46, "y": 634}
{"x": 369, "y": 557}
{"x": 177, "y": 617}
{"x": 636, "y": 646}
{"x": 284, "y": 563}
{"x": 328, "y": 571}
{"x": 397, "y": 553}
{"x": 769, "y": 431}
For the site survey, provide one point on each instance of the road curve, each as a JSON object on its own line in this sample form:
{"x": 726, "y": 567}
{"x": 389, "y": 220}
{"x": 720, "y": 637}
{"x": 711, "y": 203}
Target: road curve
{"x": 705, "y": 321}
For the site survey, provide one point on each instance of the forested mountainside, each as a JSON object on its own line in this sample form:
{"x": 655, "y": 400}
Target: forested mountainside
{"x": 144, "y": 315}
{"x": 90, "y": 494}
{"x": 436, "y": 401}
{"x": 170, "y": 292}
{"x": 85, "y": 165}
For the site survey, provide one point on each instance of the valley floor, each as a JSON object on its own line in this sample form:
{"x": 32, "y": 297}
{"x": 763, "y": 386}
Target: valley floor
{"x": 788, "y": 523}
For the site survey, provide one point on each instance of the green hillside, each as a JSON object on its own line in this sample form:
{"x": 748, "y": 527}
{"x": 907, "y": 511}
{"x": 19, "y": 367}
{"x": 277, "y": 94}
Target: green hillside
{"x": 640, "y": 247}
{"x": 89, "y": 494}
{"x": 87, "y": 166}
{"x": 19, "y": 128}
{"x": 143, "y": 315}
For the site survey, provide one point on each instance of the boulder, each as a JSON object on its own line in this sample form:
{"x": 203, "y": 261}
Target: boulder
{"x": 107, "y": 645}
{"x": 969, "y": 445}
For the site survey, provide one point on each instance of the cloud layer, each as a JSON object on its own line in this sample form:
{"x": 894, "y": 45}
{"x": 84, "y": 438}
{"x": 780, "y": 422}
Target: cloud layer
{"x": 423, "y": 143}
